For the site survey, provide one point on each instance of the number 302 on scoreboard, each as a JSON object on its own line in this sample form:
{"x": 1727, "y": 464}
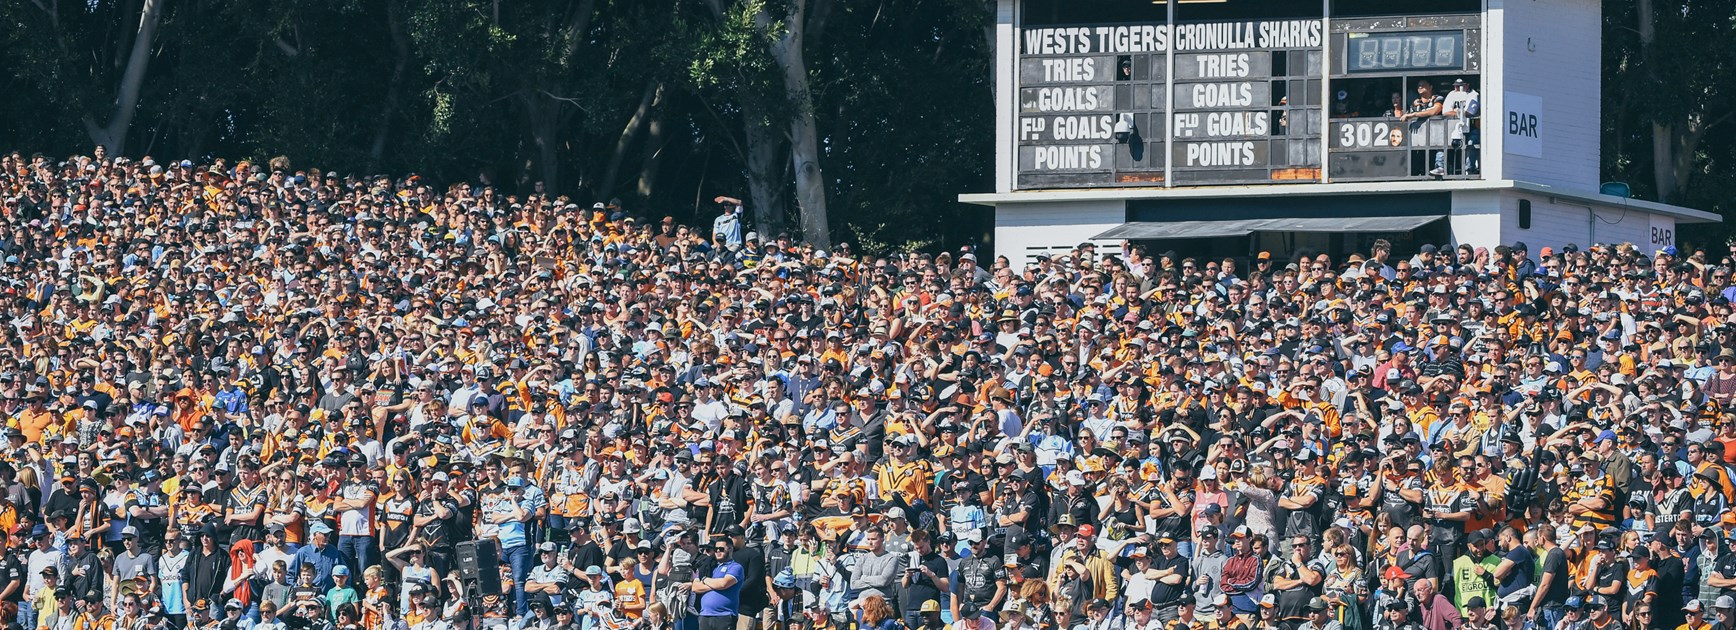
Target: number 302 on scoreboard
{"x": 1367, "y": 134}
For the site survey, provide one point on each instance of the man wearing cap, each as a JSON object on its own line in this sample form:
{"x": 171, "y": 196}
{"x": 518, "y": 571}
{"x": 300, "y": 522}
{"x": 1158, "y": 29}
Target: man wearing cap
{"x": 1319, "y": 616}
{"x": 81, "y": 569}
{"x": 1395, "y": 617}
{"x": 1206, "y": 568}
{"x": 1302, "y": 498}
{"x": 547, "y": 578}
{"x": 1694, "y": 616}
{"x": 147, "y": 509}
{"x": 356, "y": 507}
{"x": 719, "y": 592}
{"x": 982, "y": 576}
{"x": 1592, "y": 501}
{"x": 134, "y": 564}
{"x": 1099, "y": 566}
{"x": 1474, "y": 572}
{"x": 1600, "y": 615}
{"x": 435, "y": 519}
{"x": 1171, "y": 580}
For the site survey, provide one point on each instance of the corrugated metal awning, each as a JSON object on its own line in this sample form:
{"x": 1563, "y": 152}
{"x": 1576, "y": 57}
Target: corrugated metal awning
{"x": 1140, "y": 230}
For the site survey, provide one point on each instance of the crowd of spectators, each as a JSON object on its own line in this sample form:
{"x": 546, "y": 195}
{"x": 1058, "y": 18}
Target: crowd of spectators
{"x": 252, "y": 397}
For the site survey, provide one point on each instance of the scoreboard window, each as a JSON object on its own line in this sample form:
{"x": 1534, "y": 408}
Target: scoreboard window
{"x": 1072, "y": 13}
{"x": 1196, "y": 11}
{"x": 1384, "y": 8}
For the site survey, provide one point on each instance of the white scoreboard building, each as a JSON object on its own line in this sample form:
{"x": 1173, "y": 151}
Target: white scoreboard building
{"x": 1224, "y": 128}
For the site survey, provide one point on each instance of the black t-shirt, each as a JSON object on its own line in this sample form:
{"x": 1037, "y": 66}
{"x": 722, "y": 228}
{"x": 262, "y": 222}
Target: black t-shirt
{"x": 1026, "y": 503}
{"x": 1168, "y": 594}
{"x": 1613, "y": 572}
{"x": 728, "y": 498}
{"x": 754, "y": 597}
{"x": 587, "y": 555}
{"x": 464, "y": 521}
{"x": 150, "y": 529}
{"x": 1175, "y": 526}
{"x": 1671, "y": 575}
{"x": 921, "y": 588}
{"x": 438, "y": 532}
{"x": 1293, "y": 603}
{"x": 977, "y": 577}
{"x": 1420, "y": 103}
{"x": 1725, "y": 566}
{"x": 1555, "y": 564}
{"x": 620, "y": 551}
{"x": 12, "y": 570}
{"x": 61, "y": 500}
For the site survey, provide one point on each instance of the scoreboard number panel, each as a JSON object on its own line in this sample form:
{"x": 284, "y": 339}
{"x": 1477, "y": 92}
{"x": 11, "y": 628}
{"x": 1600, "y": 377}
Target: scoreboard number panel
{"x": 1397, "y": 52}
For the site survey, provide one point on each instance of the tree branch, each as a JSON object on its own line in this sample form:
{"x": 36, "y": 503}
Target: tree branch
{"x": 289, "y": 50}
{"x": 566, "y": 99}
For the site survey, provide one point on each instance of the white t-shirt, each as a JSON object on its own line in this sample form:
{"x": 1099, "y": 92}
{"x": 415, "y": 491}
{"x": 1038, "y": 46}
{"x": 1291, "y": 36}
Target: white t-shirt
{"x": 356, "y": 522}
{"x": 711, "y": 413}
{"x": 1456, "y": 102}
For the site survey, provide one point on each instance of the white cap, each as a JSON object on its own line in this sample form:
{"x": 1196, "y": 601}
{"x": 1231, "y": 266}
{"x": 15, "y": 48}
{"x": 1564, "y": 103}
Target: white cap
{"x": 1075, "y": 478}
{"x": 1208, "y": 473}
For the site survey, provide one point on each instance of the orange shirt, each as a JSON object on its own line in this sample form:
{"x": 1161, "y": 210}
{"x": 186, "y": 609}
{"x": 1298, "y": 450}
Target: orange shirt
{"x": 630, "y": 597}
{"x": 32, "y": 423}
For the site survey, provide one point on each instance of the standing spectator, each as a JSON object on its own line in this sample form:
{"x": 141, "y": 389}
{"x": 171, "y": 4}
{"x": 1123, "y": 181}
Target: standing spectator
{"x": 726, "y": 229}
{"x": 719, "y": 591}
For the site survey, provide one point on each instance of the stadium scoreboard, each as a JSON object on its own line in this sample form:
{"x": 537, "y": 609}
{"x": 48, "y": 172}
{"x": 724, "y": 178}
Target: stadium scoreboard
{"x": 1135, "y": 94}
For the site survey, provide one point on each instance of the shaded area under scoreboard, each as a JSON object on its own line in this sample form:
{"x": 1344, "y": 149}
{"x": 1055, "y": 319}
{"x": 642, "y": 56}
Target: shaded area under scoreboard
{"x": 1143, "y": 230}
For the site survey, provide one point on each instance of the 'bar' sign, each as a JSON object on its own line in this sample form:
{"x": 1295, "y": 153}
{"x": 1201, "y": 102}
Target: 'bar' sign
{"x": 1523, "y": 121}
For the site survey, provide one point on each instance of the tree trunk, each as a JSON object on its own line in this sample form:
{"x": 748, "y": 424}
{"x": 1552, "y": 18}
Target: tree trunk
{"x": 629, "y": 133}
{"x": 764, "y": 178}
{"x": 544, "y": 116}
{"x": 652, "y": 163}
{"x": 993, "y": 44}
{"x": 401, "y": 53}
{"x": 803, "y": 130}
{"x": 1663, "y": 136}
{"x": 113, "y": 135}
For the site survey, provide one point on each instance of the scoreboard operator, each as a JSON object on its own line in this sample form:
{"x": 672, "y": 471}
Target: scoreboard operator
{"x": 1426, "y": 105}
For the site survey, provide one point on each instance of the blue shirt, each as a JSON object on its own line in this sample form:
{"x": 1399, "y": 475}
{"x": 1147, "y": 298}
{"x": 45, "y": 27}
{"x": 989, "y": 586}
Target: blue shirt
{"x": 728, "y": 226}
{"x": 726, "y": 602}
{"x": 232, "y": 400}
{"x": 323, "y": 560}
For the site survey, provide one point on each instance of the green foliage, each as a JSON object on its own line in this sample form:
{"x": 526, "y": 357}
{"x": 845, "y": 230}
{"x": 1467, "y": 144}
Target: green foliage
{"x": 1682, "y": 82}
{"x": 520, "y": 91}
